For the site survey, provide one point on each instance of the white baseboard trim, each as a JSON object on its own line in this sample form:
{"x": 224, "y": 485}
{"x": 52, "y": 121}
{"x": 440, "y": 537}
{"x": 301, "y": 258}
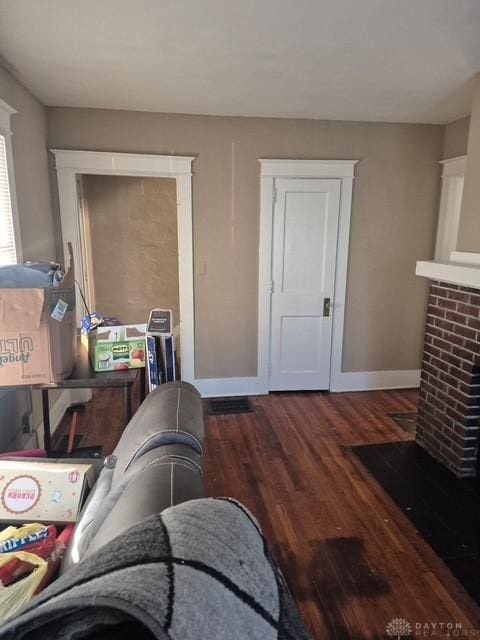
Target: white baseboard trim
{"x": 345, "y": 381}
{"x": 57, "y": 410}
{"x": 218, "y": 387}
{"x": 372, "y": 380}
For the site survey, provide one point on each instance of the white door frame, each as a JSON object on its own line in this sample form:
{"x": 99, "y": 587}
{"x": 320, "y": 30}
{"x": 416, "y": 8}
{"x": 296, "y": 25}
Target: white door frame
{"x": 269, "y": 171}
{"x": 69, "y": 164}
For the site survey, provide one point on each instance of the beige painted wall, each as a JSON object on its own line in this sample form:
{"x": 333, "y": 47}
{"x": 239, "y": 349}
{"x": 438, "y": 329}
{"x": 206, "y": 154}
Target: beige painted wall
{"x": 469, "y": 227}
{"x": 395, "y": 206}
{"x": 455, "y": 139}
{"x": 133, "y": 231}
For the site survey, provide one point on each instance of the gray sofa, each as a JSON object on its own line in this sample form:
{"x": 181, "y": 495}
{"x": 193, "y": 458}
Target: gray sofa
{"x": 199, "y": 569}
{"x": 156, "y": 464}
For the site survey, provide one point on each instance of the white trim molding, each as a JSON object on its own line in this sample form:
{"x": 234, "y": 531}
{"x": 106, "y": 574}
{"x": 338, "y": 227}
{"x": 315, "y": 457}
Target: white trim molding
{"x": 127, "y": 164}
{"x": 344, "y": 382}
{"x": 465, "y": 257}
{"x": 6, "y": 111}
{"x": 218, "y": 387}
{"x": 307, "y": 168}
{"x": 376, "y": 380}
{"x": 270, "y": 169}
{"x": 69, "y": 164}
{"x": 454, "y": 166}
{"x": 464, "y": 275}
{"x": 453, "y": 172}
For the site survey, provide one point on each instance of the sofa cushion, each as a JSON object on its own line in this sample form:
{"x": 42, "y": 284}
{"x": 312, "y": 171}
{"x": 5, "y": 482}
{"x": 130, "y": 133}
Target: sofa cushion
{"x": 172, "y": 414}
{"x": 83, "y": 532}
{"x": 163, "y": 477}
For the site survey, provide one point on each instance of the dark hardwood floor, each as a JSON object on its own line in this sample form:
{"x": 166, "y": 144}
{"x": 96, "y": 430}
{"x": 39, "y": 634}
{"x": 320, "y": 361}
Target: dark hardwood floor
{"x": 352, "y": 559}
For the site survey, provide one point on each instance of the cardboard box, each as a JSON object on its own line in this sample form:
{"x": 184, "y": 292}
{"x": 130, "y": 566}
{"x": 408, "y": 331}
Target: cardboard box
{"x": 116, "y": 348}
{"x": 47, "y": 492}
{"x": 38, "y": 333}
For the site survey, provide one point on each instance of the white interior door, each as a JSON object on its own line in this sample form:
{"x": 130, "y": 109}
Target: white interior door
{"x": 305, "y": 228}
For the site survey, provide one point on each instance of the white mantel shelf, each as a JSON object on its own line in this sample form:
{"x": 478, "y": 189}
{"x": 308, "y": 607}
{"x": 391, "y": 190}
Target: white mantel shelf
{"x": 463, "y": 270}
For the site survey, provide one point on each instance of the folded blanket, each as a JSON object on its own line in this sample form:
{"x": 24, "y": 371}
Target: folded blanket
{"x": 36, "y": 275}
{"x": 200, "y": 570}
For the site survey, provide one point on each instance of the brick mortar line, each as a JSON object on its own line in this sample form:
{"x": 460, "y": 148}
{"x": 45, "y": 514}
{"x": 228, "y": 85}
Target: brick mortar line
{"x": 450, "y": 332}
{"x": 471, "y": 303}
{"x": 457, "y": 324}
{"x": 476, "y": 385}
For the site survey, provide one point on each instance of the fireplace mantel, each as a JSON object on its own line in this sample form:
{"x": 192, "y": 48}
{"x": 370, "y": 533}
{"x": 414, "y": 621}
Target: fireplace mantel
{"x": 463, "y": 269}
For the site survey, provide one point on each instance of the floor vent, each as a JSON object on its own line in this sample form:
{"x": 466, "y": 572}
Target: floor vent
{"x": 220, "y": 406}
{"x": 407, "y": 421}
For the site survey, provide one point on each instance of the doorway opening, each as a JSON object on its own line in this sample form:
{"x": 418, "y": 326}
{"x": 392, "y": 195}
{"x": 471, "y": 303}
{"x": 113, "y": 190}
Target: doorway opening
{"x": 120, "y": 211}
{"x": 132, "y": 243}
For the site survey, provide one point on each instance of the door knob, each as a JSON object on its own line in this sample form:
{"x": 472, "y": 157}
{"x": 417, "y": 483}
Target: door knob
{"x": 326, "y": 307}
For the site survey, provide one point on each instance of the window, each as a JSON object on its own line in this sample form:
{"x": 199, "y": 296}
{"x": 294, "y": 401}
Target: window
{"x": 8, "y": 251}
{"x": 9, "y": 235}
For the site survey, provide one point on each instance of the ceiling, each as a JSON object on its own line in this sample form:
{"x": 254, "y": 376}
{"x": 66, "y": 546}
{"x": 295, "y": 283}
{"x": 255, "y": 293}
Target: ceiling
{"x": 375, "y": 60}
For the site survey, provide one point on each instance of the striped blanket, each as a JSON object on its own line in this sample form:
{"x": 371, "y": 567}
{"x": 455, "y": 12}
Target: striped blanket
{"x": 200, "y": 570}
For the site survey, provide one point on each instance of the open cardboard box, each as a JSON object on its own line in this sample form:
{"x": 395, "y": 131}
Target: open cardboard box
{"x": 38, "y": 333}
{"x": 116, "y": 348}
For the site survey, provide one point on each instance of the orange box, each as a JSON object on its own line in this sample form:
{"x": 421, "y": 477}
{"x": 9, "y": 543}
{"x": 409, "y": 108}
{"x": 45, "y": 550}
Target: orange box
{"x": 38, "y": 333}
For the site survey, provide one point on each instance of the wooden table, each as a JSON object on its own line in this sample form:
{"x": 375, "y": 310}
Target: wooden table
{"x": 84, "y": 377}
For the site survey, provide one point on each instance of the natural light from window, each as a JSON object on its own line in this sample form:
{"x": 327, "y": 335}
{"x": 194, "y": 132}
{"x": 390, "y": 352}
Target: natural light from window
{"x": 8, "y": 254}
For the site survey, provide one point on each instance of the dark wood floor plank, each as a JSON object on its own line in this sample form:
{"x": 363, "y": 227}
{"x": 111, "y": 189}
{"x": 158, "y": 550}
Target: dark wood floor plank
{"x": 352, "y": 559}
{"x": 337, "y": 528}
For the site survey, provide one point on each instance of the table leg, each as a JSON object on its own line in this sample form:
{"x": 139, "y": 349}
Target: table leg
{"x": 127, "y": 403}
{"x": 143, "y": 382}
{"x": 47, "y": 436}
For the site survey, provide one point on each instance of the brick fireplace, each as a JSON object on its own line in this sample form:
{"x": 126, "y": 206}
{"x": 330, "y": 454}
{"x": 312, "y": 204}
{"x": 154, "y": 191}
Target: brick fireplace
{"x": 448, "y": 421}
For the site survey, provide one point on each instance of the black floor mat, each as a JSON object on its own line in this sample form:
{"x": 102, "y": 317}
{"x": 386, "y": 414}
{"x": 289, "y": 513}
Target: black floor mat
{"x": 407, "y": 421}
{"x": 219, "y": 406}
{"x": 443, "y": 509}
